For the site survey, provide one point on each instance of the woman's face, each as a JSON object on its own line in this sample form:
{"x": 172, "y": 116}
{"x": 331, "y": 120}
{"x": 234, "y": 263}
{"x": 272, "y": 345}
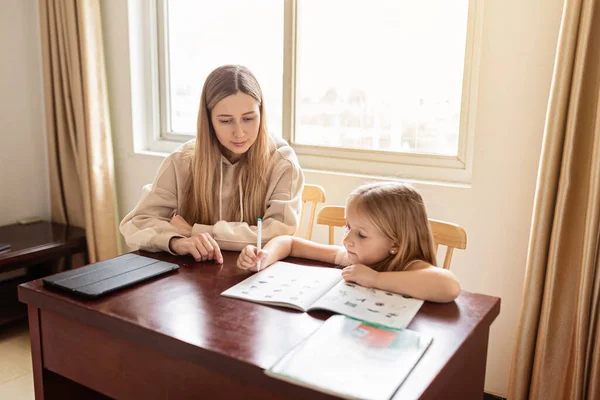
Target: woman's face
{"x": 236, "y": 120}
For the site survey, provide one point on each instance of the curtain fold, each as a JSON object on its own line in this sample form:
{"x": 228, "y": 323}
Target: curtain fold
{"x": 80, "y": 155}
{"x": 557, "y": 354}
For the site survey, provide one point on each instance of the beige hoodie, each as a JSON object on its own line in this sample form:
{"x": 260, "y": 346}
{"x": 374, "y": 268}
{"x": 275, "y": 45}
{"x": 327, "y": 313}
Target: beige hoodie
{"x": 147, "y": 226}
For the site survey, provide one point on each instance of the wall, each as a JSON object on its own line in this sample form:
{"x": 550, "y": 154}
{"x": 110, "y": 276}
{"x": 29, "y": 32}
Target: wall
{"x": 23, "y": 159}
{"x": 519, "y": 45}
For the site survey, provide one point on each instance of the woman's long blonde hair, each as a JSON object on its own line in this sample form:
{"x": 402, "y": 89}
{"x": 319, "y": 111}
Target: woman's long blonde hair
{"x": 200, "y": 201}
{"x": 399, "y": 213}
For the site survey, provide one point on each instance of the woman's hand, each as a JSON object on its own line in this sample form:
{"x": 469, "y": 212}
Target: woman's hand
{"x": 249, "y": 258}
{"x": 201, "y": 246}
{"x": 361, "y": 274}
{"x": 183, "y": 228}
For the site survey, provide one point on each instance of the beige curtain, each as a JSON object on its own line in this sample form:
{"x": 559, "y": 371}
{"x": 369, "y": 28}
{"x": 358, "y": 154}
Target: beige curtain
{"x": 80, "y": 153}
{"x": 557, "y": 354}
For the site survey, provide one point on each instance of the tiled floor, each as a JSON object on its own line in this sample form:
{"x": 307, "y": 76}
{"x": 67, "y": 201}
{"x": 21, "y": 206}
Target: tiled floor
{"x": 16, "y": 378}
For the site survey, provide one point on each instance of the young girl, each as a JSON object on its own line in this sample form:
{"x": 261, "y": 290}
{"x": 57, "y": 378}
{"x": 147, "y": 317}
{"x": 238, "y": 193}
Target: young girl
{"x": 209, "y": 193}
{"x": 388, "y": 245}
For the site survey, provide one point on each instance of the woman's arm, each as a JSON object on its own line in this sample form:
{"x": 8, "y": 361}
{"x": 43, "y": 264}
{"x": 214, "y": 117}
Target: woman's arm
{"x": 147, "y": 226}
{"x": 287, "y": 246}
{"x": 420, "y": 280}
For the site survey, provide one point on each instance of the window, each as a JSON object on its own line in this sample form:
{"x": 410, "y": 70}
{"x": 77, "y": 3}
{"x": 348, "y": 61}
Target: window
{"x": 198, "y": 36}
{"x": 388, "y": 77}
{"x": 382, "y": 87}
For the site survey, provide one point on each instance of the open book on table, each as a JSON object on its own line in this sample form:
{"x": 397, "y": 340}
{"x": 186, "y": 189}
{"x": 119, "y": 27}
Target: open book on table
{"x": 311, "y": 288}
{"x": 353, "y": 359}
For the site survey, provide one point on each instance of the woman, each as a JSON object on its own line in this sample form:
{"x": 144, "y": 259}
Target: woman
{"x": 209, "y": 193}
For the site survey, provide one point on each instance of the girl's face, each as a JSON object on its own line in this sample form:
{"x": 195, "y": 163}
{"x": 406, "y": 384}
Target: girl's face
{"x": 365, "y": 244}
{"x": 236, "y": 120}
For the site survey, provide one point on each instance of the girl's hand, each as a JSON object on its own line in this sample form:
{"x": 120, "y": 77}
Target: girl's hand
{"x": 249, "y": 258}
{"x": 183, "y": 228}
{"x": 201, "y": 246}
{"x": 361, "y": 274}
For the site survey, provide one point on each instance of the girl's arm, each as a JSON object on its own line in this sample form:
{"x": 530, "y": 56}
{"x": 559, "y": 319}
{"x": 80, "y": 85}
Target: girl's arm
{"x": 420, "y": 280}
{"x": 287, "y": 246}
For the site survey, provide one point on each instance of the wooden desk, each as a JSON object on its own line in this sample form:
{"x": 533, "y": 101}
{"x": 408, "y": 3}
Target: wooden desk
{"x": 176, "y": 337}
{"x": 36, "y": 247}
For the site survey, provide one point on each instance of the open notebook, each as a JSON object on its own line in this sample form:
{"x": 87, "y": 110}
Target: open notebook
{"x": 310, "y": 288}
{"x": 353, "y": 359}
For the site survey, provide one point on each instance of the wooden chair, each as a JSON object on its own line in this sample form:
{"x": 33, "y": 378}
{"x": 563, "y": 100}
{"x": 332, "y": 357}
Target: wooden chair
{"x": 332, "y": 216}
{"x": 450, "y": 235}
{"x": 314, "y": 194}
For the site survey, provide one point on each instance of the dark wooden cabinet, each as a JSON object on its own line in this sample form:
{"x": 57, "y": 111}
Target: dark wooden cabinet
{"x": 35, "y": 251}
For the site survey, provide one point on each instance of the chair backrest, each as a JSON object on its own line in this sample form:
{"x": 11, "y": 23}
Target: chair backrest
{"x": 332, "y": 216}
{"x": 314, "y": 194}
{"x": 444, "y": 233}
{"x": 450, "y": 235}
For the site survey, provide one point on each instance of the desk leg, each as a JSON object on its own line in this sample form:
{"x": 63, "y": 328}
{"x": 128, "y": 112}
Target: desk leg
{"x": 474, "y": 366}
{"x": 36, "y": 351}
{"x": 463, "y": 377}
{"x": 47, "y": 384}
{"x": 469, "y": 379}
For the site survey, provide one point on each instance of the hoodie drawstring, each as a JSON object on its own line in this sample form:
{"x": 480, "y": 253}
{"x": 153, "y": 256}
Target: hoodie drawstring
{"x": 241, "y": 194}
{"x": 221, "y": 191}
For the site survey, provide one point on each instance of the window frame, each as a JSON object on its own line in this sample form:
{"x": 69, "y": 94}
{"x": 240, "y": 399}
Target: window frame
{"x": 374, "y": 163}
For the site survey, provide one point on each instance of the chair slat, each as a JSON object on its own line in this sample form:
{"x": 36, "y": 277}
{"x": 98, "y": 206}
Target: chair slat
{"x": 312, "y": 194}
{"x": 332, "y": 216}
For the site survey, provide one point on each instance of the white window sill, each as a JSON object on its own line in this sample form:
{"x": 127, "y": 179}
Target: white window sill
{"x": 368, "y": 170}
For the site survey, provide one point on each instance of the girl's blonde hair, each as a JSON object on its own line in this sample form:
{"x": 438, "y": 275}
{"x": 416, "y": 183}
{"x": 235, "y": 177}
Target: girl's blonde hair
{"x": 399, "y": 213}
{"x": 201, "y": 199}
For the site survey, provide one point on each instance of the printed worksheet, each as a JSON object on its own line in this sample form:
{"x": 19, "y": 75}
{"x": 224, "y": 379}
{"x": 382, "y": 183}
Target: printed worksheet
{"x": 367, "y": 304}
{"x": 286, "y": 284}
{"x": 310, "y": 288}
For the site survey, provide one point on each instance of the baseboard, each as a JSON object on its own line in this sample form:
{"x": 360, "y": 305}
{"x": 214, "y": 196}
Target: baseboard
{"x": 488, "y": 396}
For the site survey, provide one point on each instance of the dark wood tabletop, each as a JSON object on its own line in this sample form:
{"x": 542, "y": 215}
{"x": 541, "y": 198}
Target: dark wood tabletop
{"x": 184, "y": 315}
